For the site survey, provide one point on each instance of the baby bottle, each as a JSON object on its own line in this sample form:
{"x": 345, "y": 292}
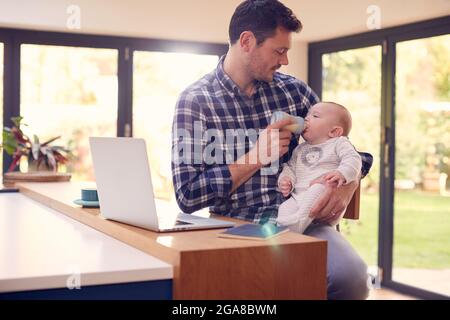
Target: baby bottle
{"x": 296, "y": 128}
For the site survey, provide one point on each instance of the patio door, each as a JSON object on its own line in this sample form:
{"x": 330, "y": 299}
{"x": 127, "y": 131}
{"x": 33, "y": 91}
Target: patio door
{"x": 407, "y": 129}
{"x": 421, "y": 211}
{"x": 353, "y": 79}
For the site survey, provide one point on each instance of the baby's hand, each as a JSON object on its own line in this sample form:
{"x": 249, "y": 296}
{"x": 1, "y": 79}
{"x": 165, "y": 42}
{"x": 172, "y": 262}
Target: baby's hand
{"x": 334, "y": 178}
{"x": 285, "y": 185}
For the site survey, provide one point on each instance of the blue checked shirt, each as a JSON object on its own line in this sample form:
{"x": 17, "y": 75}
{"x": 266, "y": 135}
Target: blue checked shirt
{"x": 216, "y": 102}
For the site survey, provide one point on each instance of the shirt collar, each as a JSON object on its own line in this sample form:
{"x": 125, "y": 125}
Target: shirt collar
{"x": 228, "y": 83}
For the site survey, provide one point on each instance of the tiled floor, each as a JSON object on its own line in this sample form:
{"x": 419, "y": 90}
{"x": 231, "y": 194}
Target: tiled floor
{"x": 437, "y": 281}
{"x": 428, "y": 279}
{"x": 386, "y": 294}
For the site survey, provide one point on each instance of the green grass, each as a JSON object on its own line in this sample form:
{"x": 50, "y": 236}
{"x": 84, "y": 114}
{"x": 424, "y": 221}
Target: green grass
{"x": 421, "y": 230}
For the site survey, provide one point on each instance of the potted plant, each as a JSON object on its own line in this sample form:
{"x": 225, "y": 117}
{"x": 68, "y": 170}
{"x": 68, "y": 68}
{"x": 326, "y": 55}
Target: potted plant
{"x": 41, "y": 156}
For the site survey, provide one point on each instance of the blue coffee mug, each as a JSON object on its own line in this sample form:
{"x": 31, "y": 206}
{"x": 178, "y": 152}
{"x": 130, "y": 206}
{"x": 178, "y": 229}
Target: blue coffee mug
{"x": 89, "y": 194}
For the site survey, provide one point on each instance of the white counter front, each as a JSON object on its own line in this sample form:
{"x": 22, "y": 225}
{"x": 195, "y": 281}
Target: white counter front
{"x": 41, "y": 248}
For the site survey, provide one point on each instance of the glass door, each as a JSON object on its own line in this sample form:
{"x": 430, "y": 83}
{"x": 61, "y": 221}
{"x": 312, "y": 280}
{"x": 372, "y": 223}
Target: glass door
{"x": 353, "y": 79}
{"x": 158, "y": 79}
{"x": 421, "y": 241}
{"x": 69, "y": 92}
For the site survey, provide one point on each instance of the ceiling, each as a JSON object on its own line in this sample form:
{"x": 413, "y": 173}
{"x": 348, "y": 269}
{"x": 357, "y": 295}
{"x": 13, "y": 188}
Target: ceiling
{"x": 325, "y": 19}
{"x": 207, "y": 20}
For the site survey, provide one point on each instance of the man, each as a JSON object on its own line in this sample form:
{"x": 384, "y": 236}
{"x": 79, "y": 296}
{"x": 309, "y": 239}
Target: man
{"x": 240, "y": 96}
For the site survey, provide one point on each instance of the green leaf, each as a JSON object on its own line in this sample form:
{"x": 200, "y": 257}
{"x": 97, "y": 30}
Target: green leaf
{"x": 9, "y": 142}
{"x": 17, "y": 120}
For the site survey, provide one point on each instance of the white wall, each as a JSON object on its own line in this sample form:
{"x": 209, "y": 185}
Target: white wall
{"x": 298, "y": 61}
{"x": 197, "y": 20}
{"x": 327, "y": 19}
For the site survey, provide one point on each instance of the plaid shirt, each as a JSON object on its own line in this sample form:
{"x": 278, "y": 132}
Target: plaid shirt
{"x": 216, "y": 102}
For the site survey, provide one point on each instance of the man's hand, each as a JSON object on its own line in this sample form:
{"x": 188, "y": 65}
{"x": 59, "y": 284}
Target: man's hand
{"x": 333, "y": 202}
{"x": 273, "y": 142}
{"x": 334, "y": 178}
{"x": 285, "y": 186}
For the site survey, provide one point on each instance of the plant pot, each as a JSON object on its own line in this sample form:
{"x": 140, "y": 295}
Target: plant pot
{"x": 33, "y": 166}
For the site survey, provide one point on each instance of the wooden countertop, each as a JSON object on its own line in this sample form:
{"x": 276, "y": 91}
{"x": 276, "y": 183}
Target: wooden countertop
{"x": 289, "y": 266}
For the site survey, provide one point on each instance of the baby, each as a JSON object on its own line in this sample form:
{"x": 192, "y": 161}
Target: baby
{"x": 326, "y": 157}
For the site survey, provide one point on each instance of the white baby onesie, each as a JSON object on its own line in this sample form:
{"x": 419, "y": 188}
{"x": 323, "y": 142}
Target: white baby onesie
{"x": 307, "y": 163}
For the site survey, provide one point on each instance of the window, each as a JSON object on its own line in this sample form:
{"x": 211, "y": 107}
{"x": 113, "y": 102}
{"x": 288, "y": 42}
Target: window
{"x": 353, "y": 79}
{"x": 79, "y": 85}
{"x": 158, "y": 79}
{"x": 69, "y": 92}
{"x": 421, "y": 252}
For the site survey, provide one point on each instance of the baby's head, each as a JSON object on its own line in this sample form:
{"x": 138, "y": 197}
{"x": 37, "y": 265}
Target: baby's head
{"x": 326, "y": 120}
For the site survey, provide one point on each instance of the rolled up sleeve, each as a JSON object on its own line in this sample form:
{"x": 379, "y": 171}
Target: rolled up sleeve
{"x": 196, "y": 184}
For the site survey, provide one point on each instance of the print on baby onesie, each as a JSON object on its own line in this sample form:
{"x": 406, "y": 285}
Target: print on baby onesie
{"x": 311, "y": 155}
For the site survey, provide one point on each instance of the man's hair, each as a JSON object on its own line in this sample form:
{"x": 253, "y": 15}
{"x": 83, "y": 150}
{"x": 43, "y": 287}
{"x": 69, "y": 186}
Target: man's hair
{"x": 344, "y": 118}
{"x": 262, "y": 17}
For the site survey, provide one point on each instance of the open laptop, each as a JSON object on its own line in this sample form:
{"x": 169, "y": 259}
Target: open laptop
{"x": 125, "y": 190}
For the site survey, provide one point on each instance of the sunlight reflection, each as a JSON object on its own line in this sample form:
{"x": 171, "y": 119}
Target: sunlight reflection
{"x": 165, "y": 240}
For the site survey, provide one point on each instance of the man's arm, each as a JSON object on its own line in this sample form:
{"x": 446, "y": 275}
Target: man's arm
{"x": 367, "y": 160}
{"x": 240, "y": 173}
{"x": 198, "y": 186}
{"x": 271, "y": 145}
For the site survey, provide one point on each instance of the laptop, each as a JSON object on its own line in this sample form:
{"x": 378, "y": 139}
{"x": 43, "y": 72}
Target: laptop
{"x": 125, "y": 190}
